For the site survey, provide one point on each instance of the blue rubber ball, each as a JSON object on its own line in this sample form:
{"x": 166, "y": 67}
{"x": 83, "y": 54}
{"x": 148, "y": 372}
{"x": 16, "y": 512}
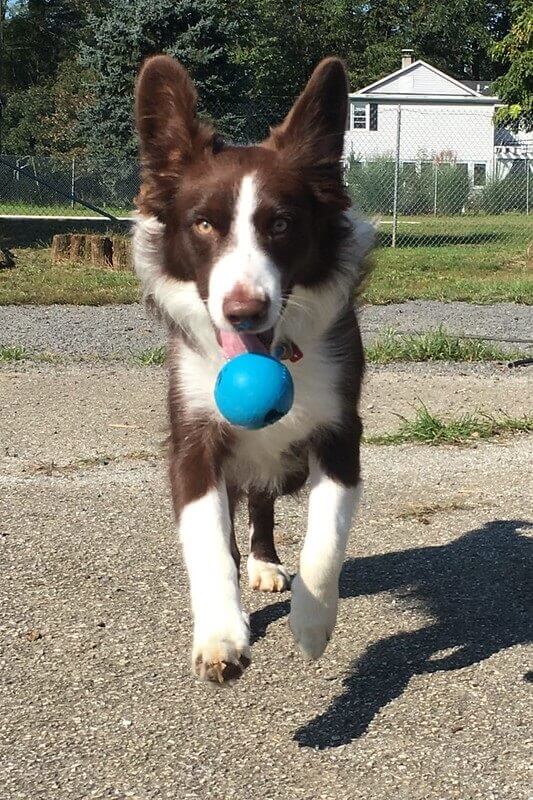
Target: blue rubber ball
{"x": 254, "y": 390}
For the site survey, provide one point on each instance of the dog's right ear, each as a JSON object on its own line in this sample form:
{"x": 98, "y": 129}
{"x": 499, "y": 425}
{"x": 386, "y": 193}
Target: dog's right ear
{"x": 169, "y": 131}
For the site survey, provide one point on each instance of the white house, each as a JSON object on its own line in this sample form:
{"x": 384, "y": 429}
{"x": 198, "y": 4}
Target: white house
{"x": 421, "y": 116}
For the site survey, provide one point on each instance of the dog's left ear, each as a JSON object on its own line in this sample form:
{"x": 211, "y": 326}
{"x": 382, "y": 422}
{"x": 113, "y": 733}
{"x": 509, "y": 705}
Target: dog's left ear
{"x": 312, "y": 134}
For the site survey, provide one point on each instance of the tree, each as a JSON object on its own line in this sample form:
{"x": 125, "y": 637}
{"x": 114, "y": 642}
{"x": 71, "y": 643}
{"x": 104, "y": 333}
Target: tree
{"x": 515, "y": 88}
{"x": 43, "y": 87}
{"x": 455, "y": 36}
{"x": 194, "y": 31}
{"x": 278, "y": 45}
{"x": 38, "y": 36}
{"x": 23, "y": 130}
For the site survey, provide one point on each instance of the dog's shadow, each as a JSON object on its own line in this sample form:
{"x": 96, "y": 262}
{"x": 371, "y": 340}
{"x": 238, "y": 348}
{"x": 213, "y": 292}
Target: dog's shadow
{"x": 478, "y": 591}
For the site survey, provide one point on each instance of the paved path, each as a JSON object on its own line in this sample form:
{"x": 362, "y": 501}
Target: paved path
{"x": 424, "y": 692}
{"x": 124, "y": 330}
{"x": 87, "y": 411}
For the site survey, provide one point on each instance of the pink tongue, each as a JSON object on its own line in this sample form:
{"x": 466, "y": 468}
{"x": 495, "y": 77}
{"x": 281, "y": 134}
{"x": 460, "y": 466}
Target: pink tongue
{"x": 233, "y": 343}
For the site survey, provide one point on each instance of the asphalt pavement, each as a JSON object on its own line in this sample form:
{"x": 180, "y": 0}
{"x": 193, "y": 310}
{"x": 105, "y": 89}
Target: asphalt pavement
{"x": 424, "y": 692}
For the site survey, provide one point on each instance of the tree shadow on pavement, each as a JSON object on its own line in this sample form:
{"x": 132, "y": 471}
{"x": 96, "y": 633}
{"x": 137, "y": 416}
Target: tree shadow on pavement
{"x": 477, "y": 589}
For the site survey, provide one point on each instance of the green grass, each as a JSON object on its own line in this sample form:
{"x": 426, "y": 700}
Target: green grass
{"x": 452, "y": 267}
{"x": 427, "y": 428}
{"x": 435, "y": 345}
{"x": 155, "y": 356}
{"x": 477, "y": 274}
{"x": 489, "y": 227}
{"x": 15, "y": 353}
{"x": 496, "y": 269}
{"x": 36, "y": 280}
{"x": 61, "y": 210}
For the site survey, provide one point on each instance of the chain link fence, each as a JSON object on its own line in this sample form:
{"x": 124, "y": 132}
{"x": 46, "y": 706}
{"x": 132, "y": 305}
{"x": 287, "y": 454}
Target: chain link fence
{"x": 435, "y": 176}
{"x": 430, "y": 176}
{"x": 45, "y": 186}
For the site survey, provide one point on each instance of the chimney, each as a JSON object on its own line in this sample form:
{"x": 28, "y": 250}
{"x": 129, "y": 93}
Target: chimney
{"x": 407, "y": 57}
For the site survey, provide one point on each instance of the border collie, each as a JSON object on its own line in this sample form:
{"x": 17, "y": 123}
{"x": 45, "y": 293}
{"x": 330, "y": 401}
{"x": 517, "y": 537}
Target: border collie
{"x": 259, "y": 238}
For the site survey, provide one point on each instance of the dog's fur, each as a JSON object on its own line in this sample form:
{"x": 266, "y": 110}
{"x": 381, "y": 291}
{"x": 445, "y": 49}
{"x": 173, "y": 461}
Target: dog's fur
{"x": 271, "y": 226}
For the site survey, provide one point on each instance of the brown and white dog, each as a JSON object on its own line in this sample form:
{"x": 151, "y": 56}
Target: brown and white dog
{"x": 258, "y": 237}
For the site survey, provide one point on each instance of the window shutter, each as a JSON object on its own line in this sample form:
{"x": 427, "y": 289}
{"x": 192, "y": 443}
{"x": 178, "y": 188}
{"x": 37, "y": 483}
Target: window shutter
{"x": 373, "y": 117}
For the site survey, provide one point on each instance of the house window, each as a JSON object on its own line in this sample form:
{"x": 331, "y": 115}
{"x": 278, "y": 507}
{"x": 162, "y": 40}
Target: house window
{"x": 373, "y": 117}
{"x": 480, "y": 174}
{"x": 358, "y": 115}
{"x": 427, "y": 167}
{"x": 462, "y": 166}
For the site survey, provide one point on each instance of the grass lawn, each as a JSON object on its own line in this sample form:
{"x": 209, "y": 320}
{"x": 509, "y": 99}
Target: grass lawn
{"x": 497, "y": 268}
{"x": 36, "y": 281}
{"x": 427, "y": 428}
{"x": 60, "y": 210}
{"x": 434, "y": 345}
{"x": 474, "y": 273}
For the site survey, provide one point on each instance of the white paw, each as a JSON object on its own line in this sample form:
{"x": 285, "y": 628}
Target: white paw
{"x": 267, "y": 577}
{"x": 221, "y": 651}
{"x": 312, "y": 617}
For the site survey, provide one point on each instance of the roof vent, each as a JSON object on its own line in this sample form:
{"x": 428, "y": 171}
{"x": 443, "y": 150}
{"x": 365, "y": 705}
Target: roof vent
{"x": 407, "y": 57}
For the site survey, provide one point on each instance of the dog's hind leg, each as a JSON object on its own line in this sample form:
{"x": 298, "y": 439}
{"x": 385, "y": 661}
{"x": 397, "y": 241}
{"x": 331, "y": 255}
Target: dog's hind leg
{"x": 265, "y": 571}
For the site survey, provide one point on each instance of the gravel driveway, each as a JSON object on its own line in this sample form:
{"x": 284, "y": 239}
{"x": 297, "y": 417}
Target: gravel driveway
{"x": 124, "y": 330}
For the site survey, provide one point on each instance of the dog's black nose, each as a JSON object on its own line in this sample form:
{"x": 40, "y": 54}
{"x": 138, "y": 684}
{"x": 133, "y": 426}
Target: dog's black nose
{"x": 243, "y": 309}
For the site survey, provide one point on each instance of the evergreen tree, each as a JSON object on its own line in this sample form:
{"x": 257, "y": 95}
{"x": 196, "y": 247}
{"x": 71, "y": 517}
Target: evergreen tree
{"x": 42, "y": 86}
{"x": 194, "y": 31}
{"x": 38, "y": 35}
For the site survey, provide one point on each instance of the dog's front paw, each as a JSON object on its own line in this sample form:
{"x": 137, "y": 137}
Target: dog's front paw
{"x": 312, "y": 617}
{"x": 266, "y": 576}
{"x": 221, "y": 653}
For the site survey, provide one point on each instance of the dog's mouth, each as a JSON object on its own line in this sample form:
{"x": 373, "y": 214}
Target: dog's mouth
{"x": 234, "y": 343}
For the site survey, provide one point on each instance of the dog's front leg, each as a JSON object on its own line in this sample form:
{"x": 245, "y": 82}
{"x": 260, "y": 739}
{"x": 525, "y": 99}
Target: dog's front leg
{"x": 221, "y": 648}
{"x": 335, "y": 490}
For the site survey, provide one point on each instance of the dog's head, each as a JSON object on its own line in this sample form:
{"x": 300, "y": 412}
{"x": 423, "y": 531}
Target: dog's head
{"x": 243, "y": 224}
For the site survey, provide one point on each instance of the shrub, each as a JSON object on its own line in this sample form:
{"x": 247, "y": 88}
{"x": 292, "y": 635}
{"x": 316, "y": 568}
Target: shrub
{"x": 453, "y": 189}
{"x": 371, "y": 185}
{"x": 415, "y": 191}
{"x": 507, "y": 194}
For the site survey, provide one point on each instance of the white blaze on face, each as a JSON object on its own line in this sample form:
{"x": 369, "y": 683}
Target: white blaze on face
{"x": 244, "y": 263}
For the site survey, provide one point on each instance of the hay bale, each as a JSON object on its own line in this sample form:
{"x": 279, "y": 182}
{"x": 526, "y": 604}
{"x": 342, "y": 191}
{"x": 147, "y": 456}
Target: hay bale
{"x": 101, "y": 251}
{"x": 78, "y": 247}
{"x": 60, "y": 248}
{"x": 122, "y": 254}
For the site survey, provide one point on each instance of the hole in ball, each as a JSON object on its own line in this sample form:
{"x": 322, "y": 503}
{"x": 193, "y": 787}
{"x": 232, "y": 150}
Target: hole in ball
{"x": 272, "y": 417}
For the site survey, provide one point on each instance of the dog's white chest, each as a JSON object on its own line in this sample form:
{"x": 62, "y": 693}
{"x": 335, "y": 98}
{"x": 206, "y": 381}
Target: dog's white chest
{"x": 263, "y": 457}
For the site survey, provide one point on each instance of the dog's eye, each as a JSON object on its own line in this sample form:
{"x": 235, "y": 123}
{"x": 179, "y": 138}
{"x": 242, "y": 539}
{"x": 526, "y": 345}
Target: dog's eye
{"x": 203, "y": 226}
{"x": 280, "y": 225}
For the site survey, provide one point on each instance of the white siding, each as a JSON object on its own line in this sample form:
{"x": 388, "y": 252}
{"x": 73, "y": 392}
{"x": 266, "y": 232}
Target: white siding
{"x": 428, "y": 131}
{"x": 420, "y": 80}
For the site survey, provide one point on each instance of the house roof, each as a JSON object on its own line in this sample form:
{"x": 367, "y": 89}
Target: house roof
{"x": 457, "y": 90}
{"x": 482, "y": 87}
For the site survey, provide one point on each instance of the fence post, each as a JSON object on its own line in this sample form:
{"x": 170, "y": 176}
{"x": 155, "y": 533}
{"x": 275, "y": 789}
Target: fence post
{"x": 435, "y": 187}
{"x": 73, "y": 181}
{"x": 527, "y": 184}
{"x": 396, "y": 178}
